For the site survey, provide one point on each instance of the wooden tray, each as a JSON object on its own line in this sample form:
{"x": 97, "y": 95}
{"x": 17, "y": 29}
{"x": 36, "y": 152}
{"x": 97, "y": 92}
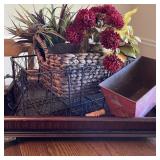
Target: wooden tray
{"x": 60, "y": 126}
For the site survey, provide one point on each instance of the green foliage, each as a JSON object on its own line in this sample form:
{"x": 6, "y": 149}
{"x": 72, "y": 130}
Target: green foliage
{"x": 59, "y": 23}
{"x": 131, "y": 51}
{"x": 130, "y": 47}
{"x": 48, "y": 26}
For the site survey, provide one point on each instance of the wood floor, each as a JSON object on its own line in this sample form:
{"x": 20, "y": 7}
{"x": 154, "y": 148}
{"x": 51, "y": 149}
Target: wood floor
{"x": 81, "y": 147}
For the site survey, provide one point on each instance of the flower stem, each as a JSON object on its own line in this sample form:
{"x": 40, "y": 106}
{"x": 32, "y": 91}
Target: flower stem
{"x": 85, "y": 44}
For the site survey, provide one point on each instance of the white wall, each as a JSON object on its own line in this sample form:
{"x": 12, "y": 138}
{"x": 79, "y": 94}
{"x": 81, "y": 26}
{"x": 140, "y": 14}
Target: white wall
{"x": 145, "y": 26}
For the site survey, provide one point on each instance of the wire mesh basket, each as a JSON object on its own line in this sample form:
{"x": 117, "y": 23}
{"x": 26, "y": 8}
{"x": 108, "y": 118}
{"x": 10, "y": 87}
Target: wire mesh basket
{"x": 34, "y": 98}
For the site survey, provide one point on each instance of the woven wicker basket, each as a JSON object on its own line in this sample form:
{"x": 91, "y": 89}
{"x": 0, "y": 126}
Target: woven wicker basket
{"x": 66, "y": 73}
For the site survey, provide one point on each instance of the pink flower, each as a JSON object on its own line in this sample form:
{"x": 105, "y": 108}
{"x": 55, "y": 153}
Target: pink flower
{"x": 85, "y": 19}
{"x": 73, "y": 35}
{"x": 110, "y": 39}
{"x": 112, "y": 63}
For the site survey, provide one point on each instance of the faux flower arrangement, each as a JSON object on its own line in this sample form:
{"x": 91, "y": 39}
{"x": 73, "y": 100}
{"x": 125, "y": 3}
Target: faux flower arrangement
{"x": 96, "y": 29}
{"x": 108, "y": 32}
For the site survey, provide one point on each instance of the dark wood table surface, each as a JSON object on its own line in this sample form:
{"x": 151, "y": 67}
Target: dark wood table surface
{"x": 81, "y": 147}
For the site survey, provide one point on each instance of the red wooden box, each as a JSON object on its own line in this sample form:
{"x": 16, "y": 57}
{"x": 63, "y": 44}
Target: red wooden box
{"x": 131, "y": 92}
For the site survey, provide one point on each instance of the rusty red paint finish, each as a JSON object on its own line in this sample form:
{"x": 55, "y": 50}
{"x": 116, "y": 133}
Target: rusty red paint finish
{"x": 118, "y": 104}
{"x": 131, "y": 92}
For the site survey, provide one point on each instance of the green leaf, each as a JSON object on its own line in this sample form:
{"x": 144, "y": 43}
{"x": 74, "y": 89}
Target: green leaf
{"x": 24, "y": 9}
{"x": 12, "y": 31}
{"x": 51, "y": 18}
{"x": 28, "y": 14}
{"x": 14, "y": 24}
{"x": 128, "y": 16}
{"x": 136, "y": 48}
{"x": 23, "y": 21}
{"x": 56, "y": 34}
{"x": 20, "y": 15}
{"x": 128, "y": 51}
{"x": 61, "y": 18}
{"x": 47, "y": 38}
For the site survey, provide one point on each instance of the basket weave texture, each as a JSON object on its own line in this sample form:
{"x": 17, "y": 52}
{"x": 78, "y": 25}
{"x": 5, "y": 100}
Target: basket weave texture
{"x": 66, "y": 74}
{"x": 64, "y": 71}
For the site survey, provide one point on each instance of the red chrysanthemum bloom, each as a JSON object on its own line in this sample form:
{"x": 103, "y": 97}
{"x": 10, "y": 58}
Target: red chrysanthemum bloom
{"x": 73, "y": 35}
{"x": 104, "y": 9}
{"x": 115, "y": 20}
{"x": 112, "y": 63}
{"x": 85, "y": 19}
{"x": 98, "y": 13}
{"x": 96, "y": 9}
{"x": 112, "y": 16}
{"x": 108, "y": 9}
{"x": 110, "y": 39}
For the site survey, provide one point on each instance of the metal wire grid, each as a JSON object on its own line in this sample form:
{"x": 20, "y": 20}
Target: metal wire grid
{"x": 35, "y": 99}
